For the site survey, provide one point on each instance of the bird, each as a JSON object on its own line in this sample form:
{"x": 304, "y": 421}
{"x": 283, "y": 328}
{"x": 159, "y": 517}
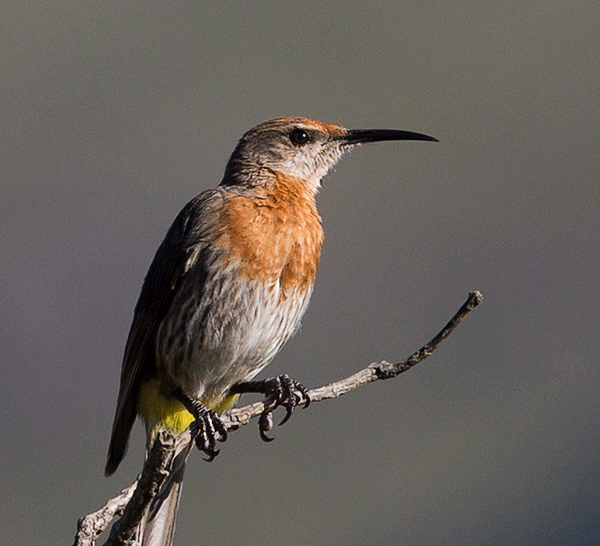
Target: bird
{"x": 227, "y": 287}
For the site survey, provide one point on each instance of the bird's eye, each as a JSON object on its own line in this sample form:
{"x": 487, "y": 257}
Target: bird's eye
{"x": 300, "y": 137}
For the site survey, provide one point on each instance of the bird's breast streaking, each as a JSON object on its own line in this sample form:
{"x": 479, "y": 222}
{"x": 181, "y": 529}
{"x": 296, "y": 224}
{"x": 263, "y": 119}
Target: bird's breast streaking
{"x": 257, "y": 275}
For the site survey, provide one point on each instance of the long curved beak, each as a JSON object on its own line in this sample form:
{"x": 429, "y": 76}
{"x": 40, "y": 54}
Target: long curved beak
{"x": 358, "y": 136}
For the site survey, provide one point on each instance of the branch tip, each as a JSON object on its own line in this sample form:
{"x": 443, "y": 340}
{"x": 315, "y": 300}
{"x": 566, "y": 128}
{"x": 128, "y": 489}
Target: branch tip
{"x": 475, "y": 298}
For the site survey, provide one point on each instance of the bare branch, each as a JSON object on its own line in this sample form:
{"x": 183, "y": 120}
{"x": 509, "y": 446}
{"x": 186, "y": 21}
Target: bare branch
{"x": 375, "y": 371}
{"x": 133, "y": 501}
{"x": 90, "y": 526}
{"x": 155, "y": 472}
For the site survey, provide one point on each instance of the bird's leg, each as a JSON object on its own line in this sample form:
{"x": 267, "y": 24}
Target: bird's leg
{"x": 207, "y": 427}
{"x": 278, "y": 391}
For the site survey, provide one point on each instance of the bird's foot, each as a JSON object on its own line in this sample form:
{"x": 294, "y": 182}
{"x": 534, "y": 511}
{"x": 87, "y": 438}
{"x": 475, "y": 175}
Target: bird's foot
{"x": 207, "y": 427}
{"x": 278, "y": 391}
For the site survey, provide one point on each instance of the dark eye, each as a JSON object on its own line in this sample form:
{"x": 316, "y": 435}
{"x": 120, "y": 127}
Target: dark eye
{"x": 300, "y": 137}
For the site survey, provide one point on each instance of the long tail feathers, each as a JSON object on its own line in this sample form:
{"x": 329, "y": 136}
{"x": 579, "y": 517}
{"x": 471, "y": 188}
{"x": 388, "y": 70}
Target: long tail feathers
{"x": 158, "y": 526}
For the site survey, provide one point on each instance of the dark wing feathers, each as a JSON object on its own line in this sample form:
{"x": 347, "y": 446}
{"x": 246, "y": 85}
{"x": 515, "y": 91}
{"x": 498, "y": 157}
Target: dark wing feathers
{"x": 160, "y": 286}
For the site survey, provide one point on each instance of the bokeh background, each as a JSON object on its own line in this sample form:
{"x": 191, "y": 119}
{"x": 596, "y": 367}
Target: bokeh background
{"x": 114, "y": 114}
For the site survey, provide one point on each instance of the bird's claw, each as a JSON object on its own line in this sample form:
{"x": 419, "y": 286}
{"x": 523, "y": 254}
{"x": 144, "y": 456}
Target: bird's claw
{"x": 265, "y": 424}
{"x": 207, "y": 427}
{"x": 280, "y": 391}
{"x": 206, "y": 430}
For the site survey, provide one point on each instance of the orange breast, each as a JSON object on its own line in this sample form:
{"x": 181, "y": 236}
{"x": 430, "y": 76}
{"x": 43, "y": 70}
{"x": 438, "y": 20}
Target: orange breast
{"x": 276, "y": 237}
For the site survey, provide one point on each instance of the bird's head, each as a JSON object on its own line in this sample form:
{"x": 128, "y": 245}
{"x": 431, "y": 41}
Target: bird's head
{"x": 303, "y": 148}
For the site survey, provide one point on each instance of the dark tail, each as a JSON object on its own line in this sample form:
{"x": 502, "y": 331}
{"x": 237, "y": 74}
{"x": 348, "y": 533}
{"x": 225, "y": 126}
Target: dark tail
{"x": 158, "y": 526}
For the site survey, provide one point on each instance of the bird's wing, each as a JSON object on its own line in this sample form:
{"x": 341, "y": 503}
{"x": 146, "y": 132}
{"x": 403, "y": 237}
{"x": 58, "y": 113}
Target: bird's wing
{"x": 172, "y": 261}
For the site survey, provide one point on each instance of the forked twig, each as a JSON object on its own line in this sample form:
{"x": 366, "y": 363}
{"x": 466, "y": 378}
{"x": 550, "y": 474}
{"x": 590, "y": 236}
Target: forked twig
{"x": 132, "y": 503}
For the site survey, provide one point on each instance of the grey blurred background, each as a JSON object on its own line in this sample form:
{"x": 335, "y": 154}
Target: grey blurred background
{"x": 114, "y": 114}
